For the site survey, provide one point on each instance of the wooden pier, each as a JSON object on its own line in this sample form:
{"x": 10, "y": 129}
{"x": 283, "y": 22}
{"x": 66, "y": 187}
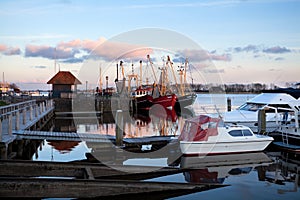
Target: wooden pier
{"x": 28, "y": 115}
{"x": 85, "y": 180}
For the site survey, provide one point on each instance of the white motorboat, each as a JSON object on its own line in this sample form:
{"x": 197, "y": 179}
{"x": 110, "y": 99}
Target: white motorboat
{"x": 247, "y": 114}
{"x": 207, "y": 135}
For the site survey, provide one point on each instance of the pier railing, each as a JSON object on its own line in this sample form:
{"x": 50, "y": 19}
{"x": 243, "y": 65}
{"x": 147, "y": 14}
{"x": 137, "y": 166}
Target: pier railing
{"x": 22, "y": 115}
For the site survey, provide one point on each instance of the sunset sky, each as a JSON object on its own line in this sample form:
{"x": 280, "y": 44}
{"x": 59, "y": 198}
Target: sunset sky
{"x": 246, "y": 41}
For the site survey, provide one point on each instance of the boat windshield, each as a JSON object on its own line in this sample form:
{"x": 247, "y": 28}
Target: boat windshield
{"x": 251, "y": 106}
{"x": 239, "y": 133}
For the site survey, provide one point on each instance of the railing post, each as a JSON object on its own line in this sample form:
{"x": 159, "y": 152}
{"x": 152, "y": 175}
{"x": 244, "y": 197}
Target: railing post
{"x": 30, "y": 111}
{"x": 41, "y": 107}
{"x": 1, "y": 118}
{"x": 17, "y": 120}
{"x": 10, "y": 124}
{"x": 24, "y": 116}
{"x": 36, "y": 110}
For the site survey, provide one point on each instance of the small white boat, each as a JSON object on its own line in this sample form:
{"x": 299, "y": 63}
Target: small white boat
{"x": 206, "y": 135}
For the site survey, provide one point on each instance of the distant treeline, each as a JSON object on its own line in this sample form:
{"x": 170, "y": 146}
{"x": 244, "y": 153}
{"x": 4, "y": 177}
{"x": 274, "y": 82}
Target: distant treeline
{"x": 232, "y": 88}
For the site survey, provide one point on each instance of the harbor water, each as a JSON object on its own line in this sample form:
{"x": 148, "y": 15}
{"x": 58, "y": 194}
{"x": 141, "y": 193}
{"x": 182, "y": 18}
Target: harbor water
{"x": 267, "y": 175}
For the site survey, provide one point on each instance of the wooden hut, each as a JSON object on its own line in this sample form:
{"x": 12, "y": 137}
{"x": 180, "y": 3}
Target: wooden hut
{"x": 64, "y": 84}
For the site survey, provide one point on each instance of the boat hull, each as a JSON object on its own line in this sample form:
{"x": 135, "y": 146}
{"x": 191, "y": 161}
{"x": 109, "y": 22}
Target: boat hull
{"x": 186, "y": 100}
{"x": 145, "y": 102}
{"x": 210, "y": 148}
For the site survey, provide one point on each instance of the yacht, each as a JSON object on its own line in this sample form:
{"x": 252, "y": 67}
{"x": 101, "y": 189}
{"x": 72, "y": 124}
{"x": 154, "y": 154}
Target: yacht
{"x": 274, "y": 104}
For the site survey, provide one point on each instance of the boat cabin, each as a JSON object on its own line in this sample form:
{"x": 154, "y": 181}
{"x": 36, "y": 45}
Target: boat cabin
{"x": 200, "y": 128}
{"x": 273, "y": 100}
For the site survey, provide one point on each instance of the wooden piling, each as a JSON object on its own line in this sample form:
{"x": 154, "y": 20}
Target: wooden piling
{"x": 228, "y": 104}
{"x": 261, "y": 121}
{"x": 119, "y": 126}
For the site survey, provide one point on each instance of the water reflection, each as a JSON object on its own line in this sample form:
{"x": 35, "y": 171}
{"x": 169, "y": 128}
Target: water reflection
{"x": 216, "y": 168}
{"x": 276, "y": 168}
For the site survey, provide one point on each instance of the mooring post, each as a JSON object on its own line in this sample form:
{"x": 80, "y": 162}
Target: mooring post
{"x": 17, "y": 120}
{"x": 119, "y": 126}
{"x": 261, "y": 121}
{"x": 228, "y": 104}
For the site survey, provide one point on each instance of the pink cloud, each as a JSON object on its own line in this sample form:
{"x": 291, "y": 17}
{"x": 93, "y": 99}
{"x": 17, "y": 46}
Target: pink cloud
{"x": 105, "y": 49}
{"x": 9, "y": 51}
{"x": 111, "y": 50}
{"x": 49, "y": 52}
{"x": 2, "y": 47}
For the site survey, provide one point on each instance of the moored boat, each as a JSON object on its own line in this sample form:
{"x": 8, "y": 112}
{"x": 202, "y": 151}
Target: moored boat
{"x": 274, "y": 104}
{"x": 206, "y": 135}
{"x": 288, "y": 135}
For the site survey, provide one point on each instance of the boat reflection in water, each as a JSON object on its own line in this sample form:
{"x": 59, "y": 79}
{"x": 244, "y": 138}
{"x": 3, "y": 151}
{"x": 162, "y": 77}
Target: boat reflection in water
{"x": 216, "y": 168}
{"x": 280, "y": 171}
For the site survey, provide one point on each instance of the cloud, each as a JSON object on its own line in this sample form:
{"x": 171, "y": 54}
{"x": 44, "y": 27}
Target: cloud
{"x": 108, "y": 50}
{"x": 195, "y": 55}
{"x": 248, "y": 48}
{"x": 277, "y": 50}
{"x": 279, "y": 58}
{"x": 258, "y": 48}
{"x": 274, "y": 70}
{"x": 74, "y": 60}
{"x": 9, "y": 51}
{"x": 111, "y": 50}
{"x": 40, "y": 67}
{"x": 49, "y": 52}
{"x": 214, "y": 71}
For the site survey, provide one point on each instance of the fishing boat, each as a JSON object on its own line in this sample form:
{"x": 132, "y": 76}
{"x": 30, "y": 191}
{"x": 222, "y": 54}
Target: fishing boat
{"x": 206, "y": 135}
{"x": 274, "y": 104}
{"x": 144, "y": 96}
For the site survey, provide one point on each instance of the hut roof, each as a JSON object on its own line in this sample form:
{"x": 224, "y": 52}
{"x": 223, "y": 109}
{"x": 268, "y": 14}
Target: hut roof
{"x": 64, "y": 78}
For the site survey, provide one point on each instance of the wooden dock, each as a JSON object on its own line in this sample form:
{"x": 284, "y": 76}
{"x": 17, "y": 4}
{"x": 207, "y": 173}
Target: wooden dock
{"x": 28, "y": 115}
{"x": 85, "y": 180}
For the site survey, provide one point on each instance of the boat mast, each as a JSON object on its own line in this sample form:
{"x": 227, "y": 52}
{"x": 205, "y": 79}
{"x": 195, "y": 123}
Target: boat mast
{"x": 173, "y": 72}
{"x": 100, "y": 81}
{"x": 151, "y": 63}
{"x": 141, "y": 73}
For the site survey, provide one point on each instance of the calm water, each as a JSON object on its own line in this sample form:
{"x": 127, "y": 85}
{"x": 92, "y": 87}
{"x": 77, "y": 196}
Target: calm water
{"x": 269, "y": 175}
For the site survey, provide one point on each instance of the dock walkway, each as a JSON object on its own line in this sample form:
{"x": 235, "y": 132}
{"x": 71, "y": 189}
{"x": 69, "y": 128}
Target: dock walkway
{"x": 23, "y": 116}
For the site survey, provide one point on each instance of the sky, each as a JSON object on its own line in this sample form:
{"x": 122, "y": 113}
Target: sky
{"x": 226, "y": 41}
